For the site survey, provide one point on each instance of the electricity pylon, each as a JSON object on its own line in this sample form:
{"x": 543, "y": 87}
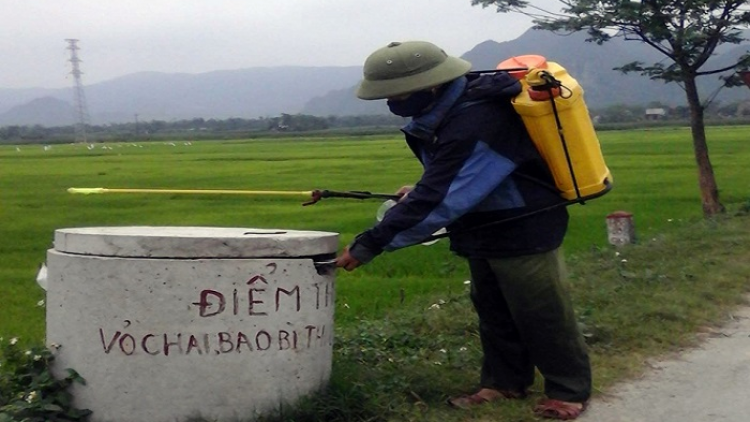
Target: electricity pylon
{"x": 80, "y": 108}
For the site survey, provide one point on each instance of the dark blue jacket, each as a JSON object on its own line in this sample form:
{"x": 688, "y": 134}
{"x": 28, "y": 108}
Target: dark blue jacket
{"x": 480, "y": 166}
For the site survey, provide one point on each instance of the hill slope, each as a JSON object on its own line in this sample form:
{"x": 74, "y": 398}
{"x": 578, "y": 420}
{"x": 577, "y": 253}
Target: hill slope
{"x": 221, "y": 94}
{"x": 324, "y": 91}
{"x": 590, "y": 64}
{"x": 52, "y": 111}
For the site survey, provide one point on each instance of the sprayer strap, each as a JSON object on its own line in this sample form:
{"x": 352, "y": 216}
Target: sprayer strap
{"x": 542, "y": 183}
{"x": 503, "y": 221}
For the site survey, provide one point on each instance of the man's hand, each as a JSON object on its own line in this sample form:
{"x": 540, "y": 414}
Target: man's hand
{"x": 404, "y": 192}
{"x": 347, "y": 261}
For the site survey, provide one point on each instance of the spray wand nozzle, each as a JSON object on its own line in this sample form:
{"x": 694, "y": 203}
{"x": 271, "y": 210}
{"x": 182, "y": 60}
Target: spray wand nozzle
{"x": 318, "y": 194}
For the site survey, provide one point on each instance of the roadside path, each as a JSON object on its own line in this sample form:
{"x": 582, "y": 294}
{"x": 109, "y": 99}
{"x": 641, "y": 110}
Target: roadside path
{"x": 708, "y": 384}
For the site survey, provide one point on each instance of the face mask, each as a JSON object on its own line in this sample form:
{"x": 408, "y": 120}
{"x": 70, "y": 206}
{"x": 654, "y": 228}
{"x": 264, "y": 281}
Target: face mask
{"x": 413, "y": 105}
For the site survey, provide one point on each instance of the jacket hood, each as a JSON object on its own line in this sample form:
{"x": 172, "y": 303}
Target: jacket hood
{"x": 487, "y": 86}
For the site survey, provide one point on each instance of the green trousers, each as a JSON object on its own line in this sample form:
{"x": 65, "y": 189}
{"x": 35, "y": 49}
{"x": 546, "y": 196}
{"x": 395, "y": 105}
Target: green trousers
{"x": 526, "y": 321}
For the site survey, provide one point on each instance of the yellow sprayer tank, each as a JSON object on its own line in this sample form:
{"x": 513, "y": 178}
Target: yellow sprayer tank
{"x": 572, "y": 153}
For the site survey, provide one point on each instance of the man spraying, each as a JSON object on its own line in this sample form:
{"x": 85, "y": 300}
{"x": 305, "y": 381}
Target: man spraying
{"x": 480, "y": 166}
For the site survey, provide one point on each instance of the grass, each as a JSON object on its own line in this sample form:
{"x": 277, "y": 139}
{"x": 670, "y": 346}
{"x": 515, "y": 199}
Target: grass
{"x": 396, "y": 355}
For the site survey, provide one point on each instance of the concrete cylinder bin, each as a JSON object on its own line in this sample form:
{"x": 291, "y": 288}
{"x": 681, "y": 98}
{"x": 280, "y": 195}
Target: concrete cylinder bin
{"x": 171, "y": 323}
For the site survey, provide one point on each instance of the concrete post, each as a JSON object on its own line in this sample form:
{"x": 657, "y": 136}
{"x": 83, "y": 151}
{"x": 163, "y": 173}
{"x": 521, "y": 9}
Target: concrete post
{"x": 168, "y": 323}
{"x": 620, "y": 228}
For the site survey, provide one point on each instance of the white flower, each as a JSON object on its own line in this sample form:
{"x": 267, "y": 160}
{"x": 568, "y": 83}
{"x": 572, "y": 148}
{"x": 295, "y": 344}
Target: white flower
{"x": 467, "y": 282}
{"x": 436, "y": 363}
{"x": 346, "y": 305}
{"x": 624, "y": 260}
{"x": 30, "y": 398}
{"x": 443, "y": 351}
{"x": 37, "y": 358}
{"x": 40, "y": 303}
{"x": 27, "y": 353}
{"x": 13, "y": 341}
{"x": 617, "y": 253}
{"x": 462, "y": 349}
{"x": 669, "y": 220}
{"x": 435, "y": 306}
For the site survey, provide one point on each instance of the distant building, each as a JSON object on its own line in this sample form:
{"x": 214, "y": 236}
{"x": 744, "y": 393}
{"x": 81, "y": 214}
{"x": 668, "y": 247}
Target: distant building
{"x": 656, "y": 113}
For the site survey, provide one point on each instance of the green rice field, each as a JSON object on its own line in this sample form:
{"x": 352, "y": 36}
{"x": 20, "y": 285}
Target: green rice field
{"x": 654, "y": 177}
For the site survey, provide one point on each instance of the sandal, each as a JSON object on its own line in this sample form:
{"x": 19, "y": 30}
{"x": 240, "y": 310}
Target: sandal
{"x": 557, "y": 409}
{"x": 485, "y": 395}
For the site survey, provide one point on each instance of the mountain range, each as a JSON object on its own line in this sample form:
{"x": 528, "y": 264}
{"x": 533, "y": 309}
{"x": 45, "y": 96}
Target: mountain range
{"x": 329, "y": 90}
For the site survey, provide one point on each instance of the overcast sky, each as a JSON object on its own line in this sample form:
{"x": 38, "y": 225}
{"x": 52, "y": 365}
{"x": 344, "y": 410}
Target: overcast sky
{"x": 117, "y": 37}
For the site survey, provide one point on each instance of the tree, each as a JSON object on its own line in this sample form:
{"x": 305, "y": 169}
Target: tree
{"x": 685, "y": 32}
{"x": 620, "y": 113}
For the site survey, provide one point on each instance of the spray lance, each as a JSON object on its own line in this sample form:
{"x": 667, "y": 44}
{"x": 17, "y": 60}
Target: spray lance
{"x": 314, "y": 195}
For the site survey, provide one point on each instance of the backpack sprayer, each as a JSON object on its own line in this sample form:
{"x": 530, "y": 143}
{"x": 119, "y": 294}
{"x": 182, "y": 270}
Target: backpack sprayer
{"x": 552, "y": 108}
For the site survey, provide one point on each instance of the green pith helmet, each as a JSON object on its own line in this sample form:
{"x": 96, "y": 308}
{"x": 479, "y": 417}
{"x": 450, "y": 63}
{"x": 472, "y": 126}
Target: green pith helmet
{"x": 404, "y": 67}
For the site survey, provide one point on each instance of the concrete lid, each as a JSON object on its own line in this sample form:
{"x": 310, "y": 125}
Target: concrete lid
{"x": 194, "y": 242}
{"x": 620, "y": 214}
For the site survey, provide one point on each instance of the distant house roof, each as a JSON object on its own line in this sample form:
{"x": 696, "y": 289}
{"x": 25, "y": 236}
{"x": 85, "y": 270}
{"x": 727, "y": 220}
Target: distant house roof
{"x": 656, "y": 112}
